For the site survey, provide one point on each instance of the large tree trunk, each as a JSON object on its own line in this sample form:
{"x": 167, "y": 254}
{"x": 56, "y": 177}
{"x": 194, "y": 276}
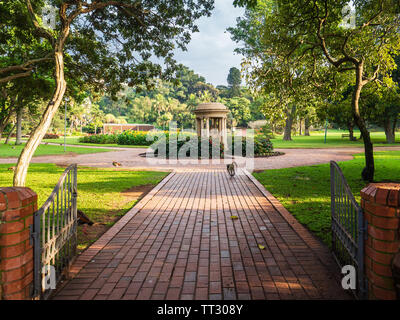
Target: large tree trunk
{"x": 369, "y": 169}
{"x": 45, "y": 122}
{"x": 19, "y": 126}
{"x": 2, "y": 127}
{"x": 287, "y": 136}
{"x": 307, "y": 126}
{"x": 300, "y": 123}
{"x": 389, "y": 127}
{"x": 10, "y": 134}
{"x": 350, "y": 126}
{"x": 4, "y": 122}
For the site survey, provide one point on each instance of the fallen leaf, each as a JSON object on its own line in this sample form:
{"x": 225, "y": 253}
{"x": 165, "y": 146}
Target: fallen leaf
{"x": 261, "y": 247}
{"x": 234, "y": 217}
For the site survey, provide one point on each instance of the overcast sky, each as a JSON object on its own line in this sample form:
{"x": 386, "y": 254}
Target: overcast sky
{"x": 210, "y": 52}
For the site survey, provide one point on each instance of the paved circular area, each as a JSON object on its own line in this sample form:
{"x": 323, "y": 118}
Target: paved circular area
{"x": 130, "y": 158}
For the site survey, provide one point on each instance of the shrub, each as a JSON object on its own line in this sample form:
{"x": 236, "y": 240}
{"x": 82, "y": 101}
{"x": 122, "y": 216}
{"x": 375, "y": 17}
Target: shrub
{"x": 262, "y": 145}
{"x": 51, "y": 136}
{"x": 134, "y": 138}
{"x": 100, "y": 139}
{"x": 267, "y": 131}
{"x": 190, "y": 141}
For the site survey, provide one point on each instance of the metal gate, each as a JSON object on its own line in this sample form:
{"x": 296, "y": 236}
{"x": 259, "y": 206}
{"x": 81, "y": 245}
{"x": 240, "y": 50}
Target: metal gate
{"x": 348, "y": 229}
{"x": 54, "y": 234}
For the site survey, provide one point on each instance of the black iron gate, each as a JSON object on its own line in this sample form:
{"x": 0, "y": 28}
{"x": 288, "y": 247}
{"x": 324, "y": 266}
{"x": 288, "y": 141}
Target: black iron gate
{"x": 54, "y": 234}
{"x": 348, "y": 229}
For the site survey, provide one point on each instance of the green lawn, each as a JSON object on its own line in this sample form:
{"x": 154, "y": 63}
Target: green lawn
{"x": 11, "y": 150}
{"x": 75, "y": 141}
{"x": 99, "y": 190}
{"x": 334, "y": 140}
{"x": 315, "y": 141}
{"x": 305, "y": 191}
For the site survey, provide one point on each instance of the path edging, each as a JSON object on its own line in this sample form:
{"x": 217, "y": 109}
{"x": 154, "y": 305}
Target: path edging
{"x": 322, "y": 252}
{"x": 86, "y": 256}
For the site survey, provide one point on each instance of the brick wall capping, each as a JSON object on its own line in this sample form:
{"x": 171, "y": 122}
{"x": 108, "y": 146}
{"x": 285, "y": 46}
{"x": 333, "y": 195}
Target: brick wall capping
{"x": 385, "y": 193}
{"x": 17, "y": 196}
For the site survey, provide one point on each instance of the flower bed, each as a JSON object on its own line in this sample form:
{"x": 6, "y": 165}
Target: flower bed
{"x": 51, "y": 136}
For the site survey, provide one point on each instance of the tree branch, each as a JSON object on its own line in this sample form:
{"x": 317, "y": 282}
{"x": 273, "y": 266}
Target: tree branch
{"x": 24, "y": 66}
{"x": 16, "y": 76}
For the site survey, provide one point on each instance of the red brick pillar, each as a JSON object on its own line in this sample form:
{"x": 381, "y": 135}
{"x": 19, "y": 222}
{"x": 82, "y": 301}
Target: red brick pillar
{"x": 381, "y": 204}
{"x": 17, "y": 206}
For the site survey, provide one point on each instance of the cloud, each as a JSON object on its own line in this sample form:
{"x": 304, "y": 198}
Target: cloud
{"x": 210, "y": 52}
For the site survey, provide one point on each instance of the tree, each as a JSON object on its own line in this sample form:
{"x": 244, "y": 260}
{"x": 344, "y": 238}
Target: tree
{"x": 311, "y": 31}
{"x": 240, "y": 110}
{"x": 234, "y": 80}
{"x": 20, "y": 51}
{"x": 269, "y": 71}
{"x": 107, "y": 43}
{"x": 381, "y": 106}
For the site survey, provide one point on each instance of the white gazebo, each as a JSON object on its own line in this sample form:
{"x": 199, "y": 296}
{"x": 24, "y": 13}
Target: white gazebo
{"x": 211, "y": 120}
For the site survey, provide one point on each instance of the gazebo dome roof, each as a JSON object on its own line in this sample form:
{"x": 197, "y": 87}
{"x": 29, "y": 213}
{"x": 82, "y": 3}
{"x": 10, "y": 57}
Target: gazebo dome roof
{"x": 210, "y": 107}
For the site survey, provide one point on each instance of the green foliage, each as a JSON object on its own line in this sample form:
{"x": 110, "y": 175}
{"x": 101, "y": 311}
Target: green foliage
{"x": 51, "y": 136}
{"x": 262, "y": 145}
{"x": 134, "y": 138}
{"x": 192, "y": 143}
{"x": 100, "y": 189}
{"x": 240, "y": 110}
{"x": 234, "y": 80}
{"x": 100, "y": 139}
{"x": 266, "y": 131}
{"x": 298, "y": 53}
{"x": 7, "y": 151}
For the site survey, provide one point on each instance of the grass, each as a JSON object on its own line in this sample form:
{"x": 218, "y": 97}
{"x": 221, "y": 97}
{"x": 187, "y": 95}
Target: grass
{"x": 305, "y": 191}
{"x": 334, "y": 140}
{"x": 315, "y": 141}
{"x": 75, "y": 141}
{"x": 99, "y": 190}
{"x": 11, "y": 150}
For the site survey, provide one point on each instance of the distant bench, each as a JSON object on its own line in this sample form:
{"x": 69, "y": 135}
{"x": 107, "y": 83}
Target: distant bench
{"x": 346, "y": 135}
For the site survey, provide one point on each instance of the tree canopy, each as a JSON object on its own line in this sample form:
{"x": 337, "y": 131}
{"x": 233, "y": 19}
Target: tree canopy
{"x": 307, "y": 42}
{"x": 101, "y": 43}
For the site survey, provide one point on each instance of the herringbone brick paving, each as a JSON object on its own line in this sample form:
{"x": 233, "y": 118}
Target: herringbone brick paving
{"x": 180, "y": 242}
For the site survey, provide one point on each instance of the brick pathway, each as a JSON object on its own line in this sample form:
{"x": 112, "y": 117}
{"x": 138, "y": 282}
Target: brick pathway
{"x": 179, "y": 242}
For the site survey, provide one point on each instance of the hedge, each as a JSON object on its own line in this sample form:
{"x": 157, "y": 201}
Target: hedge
{"x": 262, "y": 144}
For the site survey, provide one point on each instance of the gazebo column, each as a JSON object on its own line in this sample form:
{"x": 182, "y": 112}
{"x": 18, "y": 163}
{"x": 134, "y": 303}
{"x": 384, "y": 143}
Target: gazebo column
{"x": 207, "y": 127}
{"x": 199, "y": 126}
{"x": 224, "y": 137}
{"x": 220, "y": 131}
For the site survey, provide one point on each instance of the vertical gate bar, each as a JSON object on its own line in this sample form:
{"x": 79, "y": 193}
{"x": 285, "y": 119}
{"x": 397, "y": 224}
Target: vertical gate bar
{"x": 75, "y": 206}
{"x": 53, "y": 234}
{"x": 333, "y": 186}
